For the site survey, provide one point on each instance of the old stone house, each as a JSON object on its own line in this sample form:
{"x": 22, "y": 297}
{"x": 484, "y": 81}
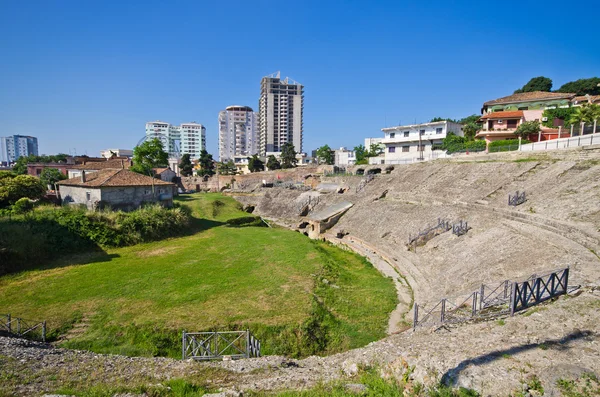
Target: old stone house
{"x": 117, "y": 188}
{"x": 165, "y": 174}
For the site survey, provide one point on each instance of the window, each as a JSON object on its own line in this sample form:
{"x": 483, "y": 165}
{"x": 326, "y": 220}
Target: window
{"x": 500, "y": 121}
{"x": 161, "y": 191}
{"x": 147, "y": 191}
{"x": 88, "y": 196}
{"x": 422, "y": 132}
{"x": 406, "y": 134}
{"x": 392, "y": 134}
{"x": 392, "y": 149}
{"x": 406, "y": 149}
{"x": 439, "y": 130}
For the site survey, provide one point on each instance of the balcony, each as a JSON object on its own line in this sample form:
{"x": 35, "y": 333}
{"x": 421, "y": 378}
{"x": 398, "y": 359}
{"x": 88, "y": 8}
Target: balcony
{"x": 413, "y": 138}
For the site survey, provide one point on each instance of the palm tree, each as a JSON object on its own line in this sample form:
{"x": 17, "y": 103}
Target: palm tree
{"x": 586, "y": 113}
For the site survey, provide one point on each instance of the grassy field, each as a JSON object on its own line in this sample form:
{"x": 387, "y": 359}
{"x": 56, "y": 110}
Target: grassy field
{"x": 297, "y": 296}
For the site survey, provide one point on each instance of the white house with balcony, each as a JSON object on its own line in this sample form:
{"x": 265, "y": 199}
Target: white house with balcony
{"x": 344, "y": 157}
{"x": 408, "y": 143}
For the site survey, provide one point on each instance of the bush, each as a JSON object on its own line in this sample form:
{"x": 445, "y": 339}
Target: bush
{"x": 506, "y": 145}
{"x": 246, "y": 221}
{"x": 23, "y": 205}
{"x": 56, "y": 232}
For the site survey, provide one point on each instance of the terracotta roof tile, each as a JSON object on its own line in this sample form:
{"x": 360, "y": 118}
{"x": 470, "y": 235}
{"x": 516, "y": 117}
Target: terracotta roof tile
{"x": 530, "y": 96}
{"x": 517, "y": 114}
{"x": 114, "y": 177}
{"x": 104, "y": 165}
{"x": 583, "y": 98}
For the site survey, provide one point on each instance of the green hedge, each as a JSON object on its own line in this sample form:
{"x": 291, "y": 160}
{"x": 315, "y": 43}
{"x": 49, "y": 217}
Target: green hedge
{"x": 54, "y": 232}
{"x": 506, "y": 145}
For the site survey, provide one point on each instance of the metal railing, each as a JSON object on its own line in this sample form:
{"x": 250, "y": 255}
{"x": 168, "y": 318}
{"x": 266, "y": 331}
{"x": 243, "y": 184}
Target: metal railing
{"x": 23, "y": 328}
{"x": 516, "y": 199}
{"x": 217, "y": 345}
{"x": 504, "y": 298}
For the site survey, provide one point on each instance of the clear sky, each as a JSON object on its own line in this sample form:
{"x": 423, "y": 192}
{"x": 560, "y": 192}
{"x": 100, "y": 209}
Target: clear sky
{"x": 88, "y": 75}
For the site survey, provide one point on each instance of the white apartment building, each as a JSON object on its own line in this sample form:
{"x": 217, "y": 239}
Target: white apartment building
{"x": 407, "y": 143}
{"x": 344, "y": 157}
{"x": 281, "y": 107}
{"x": 187, "y": 138}
{"x": 238, "y": 133}
{"x": 108, "y": 153}
{"x": 13, "y": 147}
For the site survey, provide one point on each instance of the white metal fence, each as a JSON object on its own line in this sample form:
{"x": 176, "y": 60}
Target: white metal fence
{"x": 563, "y": 143}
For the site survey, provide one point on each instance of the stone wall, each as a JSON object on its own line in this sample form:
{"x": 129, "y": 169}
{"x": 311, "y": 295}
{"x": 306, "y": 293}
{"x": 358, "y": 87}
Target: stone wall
{"x": 124, "y": 198}
{"x": 73, "y": 195}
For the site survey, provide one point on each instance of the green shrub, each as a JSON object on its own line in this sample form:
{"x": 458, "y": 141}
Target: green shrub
{"x": 506, "y": 145}
{"x": 58, "y": 231}
{"x": 246, "y": 221}
{"x": 23, "y": 205}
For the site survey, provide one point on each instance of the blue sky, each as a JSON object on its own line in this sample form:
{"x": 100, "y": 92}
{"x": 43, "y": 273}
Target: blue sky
{"x": 86, "y": 76}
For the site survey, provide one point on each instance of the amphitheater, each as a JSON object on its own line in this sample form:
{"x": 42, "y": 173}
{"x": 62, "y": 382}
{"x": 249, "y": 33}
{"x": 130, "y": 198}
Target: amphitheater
{"x": 557, "y": 227}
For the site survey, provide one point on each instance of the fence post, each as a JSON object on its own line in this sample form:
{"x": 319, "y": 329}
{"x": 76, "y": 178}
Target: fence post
{"x": 443, "y": 310}
{"x": 566, "y": 279}
{"x": 9, "y": 325}
{"x": 415, "y": 317}
{"x": 513, "y": 299}
{"x": 44, "y": 331}
{"x": 474, "y": 305}
{"x": 481, "y": 295}
{"x": 247, "y": 343}
{"x": 183, "y": 348}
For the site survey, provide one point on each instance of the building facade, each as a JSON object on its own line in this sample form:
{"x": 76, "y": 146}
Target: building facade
{"x": 344, "y": 157}
{"x": 108, "y": 153}
{"x": 238, "y": 133}
{"x": 281, "y": 107}
{"x": 13, "y": 147}
{"x": 187, "y": 138}
{"x": 416, "y": 142}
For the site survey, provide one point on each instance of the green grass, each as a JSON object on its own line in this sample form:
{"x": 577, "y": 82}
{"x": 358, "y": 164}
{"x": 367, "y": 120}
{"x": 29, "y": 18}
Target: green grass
{"x": 139, "y": 300}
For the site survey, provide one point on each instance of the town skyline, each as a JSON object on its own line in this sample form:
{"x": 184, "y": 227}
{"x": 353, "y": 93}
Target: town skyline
{"x": 93, "y": 82}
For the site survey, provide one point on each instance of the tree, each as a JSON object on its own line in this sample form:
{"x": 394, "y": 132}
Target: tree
{"x": 255, "y": 164}
{"x": 375, "y": 150}
{"x": 470, "y": 130}
{"x": 12, "y": 189}
{"x": 474, "y": 118}
{"x": 227, "y": 168}
{"x": 273, "y": 163}
{"x": 325, "y": 155}
{"x": 586, "y": 113}
{"x": 288, "y": 156}
{"x": 436, "y": 119}
{"x": 582, "y": 86}
{"x": 361, "y": 154}
{"x": 528, "y": 128}
{"x": 50, "y": 176}
{"x": 540, "y": 83}
{"x": 20, "y": 166}
{"x": 150, "y": 154}
{"x": 185, "y": 165}
{"x": 207, "y": 164}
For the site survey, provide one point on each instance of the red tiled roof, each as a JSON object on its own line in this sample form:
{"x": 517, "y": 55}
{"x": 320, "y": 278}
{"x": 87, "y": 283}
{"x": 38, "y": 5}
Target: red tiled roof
{"x": 113, "y": 177}
{"x": 584, "y": 99}
{"x": 516, "y": 114}
{"x": 529, "y": 97}
{"x": 104, "y": 165}
{"x": 159, "y": 171}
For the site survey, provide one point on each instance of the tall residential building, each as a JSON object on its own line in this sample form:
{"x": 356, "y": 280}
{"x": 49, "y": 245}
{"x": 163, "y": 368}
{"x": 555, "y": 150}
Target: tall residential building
{"x": 13, "y": 147}
{"x": 238, "y": 133}
{"x": 187, "y": 138}
{"x": 281, "y": 105}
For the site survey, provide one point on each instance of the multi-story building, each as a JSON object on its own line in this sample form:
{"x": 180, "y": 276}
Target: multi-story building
{"x": 188, "y": 138}
{"x": 344, "y": 157}
{"x": 13, "y": 147}
{"x": 238, "y": 133}
{"x": 416, "y": 142}
{"x": 281, "y": 106}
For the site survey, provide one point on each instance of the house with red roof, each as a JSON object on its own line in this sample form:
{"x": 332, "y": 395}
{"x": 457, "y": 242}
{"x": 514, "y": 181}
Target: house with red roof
{"x": 115, "y": 188}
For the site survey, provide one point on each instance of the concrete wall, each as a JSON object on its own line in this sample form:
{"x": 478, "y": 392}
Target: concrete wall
{"x": 74, "y": 195}
{"x": 132, "y": 197}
